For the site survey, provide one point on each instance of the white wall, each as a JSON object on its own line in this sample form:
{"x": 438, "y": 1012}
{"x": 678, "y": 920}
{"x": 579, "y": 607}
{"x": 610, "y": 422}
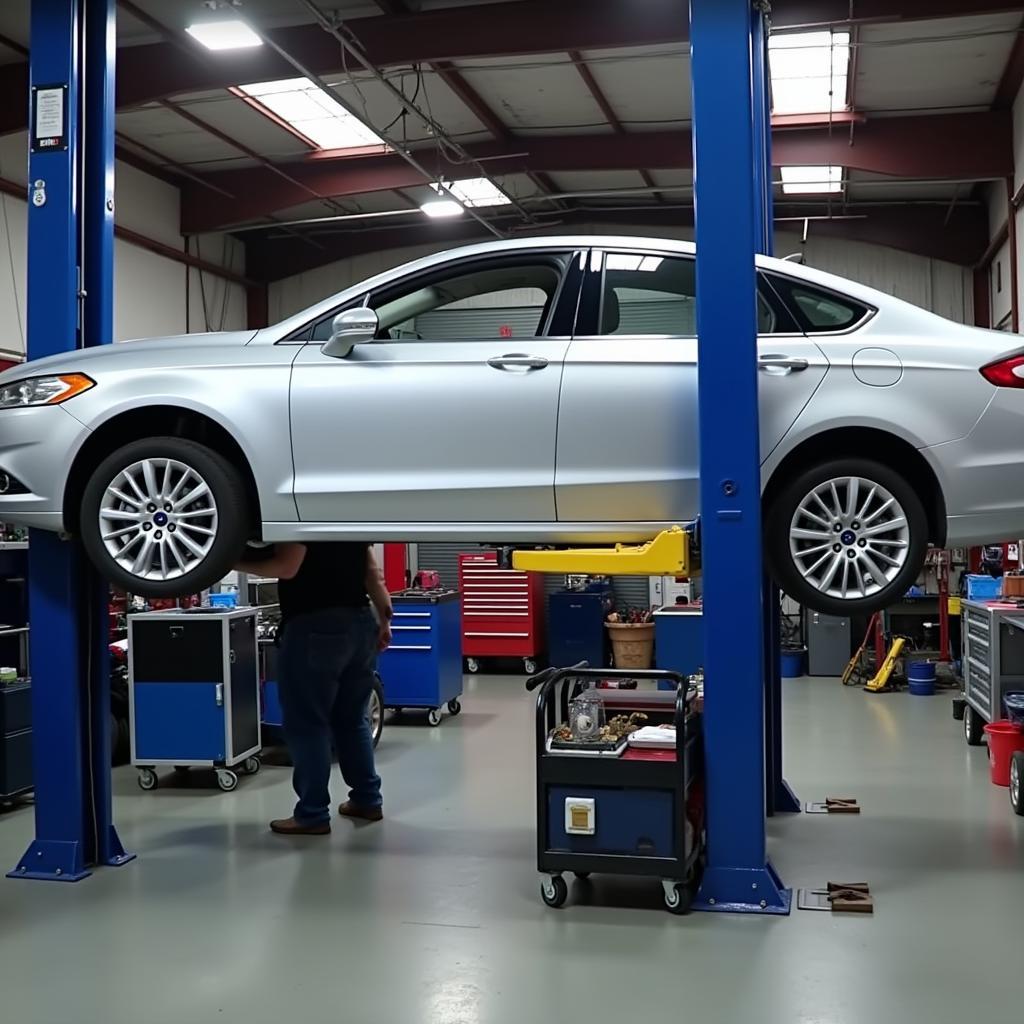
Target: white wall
{"x": 149, "y": 289}
{"x": 942, "y": 287}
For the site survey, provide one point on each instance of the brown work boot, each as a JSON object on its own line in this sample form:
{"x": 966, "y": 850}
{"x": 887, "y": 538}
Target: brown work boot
{"x": 290, "y": 827}
{"x": 351, "y": 810}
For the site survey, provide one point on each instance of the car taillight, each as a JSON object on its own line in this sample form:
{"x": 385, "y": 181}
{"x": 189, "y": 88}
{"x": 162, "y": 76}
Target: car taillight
{"x": 1007, "y": 373}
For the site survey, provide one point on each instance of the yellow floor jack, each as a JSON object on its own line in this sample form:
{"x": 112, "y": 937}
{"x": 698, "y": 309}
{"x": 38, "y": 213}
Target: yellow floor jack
{"x": 881, "y": 680}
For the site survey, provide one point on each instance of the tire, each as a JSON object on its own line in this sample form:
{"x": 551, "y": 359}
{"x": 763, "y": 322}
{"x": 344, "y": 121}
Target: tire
{"x": 227, "y": 780}
{"x": 172, "y": 569}
{"x": 792, "y": 559}
{"x": 148, "y": 779}
{"x": 252, "y": 765}
{"x": 454, "y": 707}
{"x": 375, "y": 710}
{"x": 973, "y": 727}
{"x": 1017, "y": 783}
{"x": 554, "y": 891}
{"x": 434, "y": 716}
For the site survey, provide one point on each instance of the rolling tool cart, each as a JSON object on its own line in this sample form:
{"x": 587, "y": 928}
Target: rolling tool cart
{"x": 423, "y": 666}
{"x": 502, "y": 611}
{"x": 993, "y": 663}
{"x": 194, "y": 689}
{"x": 608, "y": 805}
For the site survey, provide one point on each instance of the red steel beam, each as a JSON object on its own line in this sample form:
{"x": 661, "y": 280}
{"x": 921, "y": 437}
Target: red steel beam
{"x": 604, "y": 106}
{"x": 963, "y": 147}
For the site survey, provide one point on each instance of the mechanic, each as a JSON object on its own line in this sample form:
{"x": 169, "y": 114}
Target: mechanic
{"x": 329, "y": 640}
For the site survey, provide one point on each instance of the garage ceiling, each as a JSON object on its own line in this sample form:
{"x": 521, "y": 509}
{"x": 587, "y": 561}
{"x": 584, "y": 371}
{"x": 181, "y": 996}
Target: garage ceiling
{"x": 549, "y": 101}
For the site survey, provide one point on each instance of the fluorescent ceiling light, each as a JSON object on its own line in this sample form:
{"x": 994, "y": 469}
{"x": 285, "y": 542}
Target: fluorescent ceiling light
{"x": 311, "y": 112}
{"x": 809, "y": 72}
{"x": 224, "y": 35}
{"x": 437, "y": 208}
{"x": 478, "y": 192}
{"x": 811, "y": 180}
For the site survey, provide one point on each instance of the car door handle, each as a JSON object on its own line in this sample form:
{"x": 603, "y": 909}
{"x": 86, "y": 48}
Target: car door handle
{"x": 517, "y": 360}
{"x": 780, "y": 362}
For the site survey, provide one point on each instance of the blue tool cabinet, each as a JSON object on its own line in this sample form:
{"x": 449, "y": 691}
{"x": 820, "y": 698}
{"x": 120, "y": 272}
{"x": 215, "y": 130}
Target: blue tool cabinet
{"x": 576, "y": 625}
{"x": 194, "y": 692}
{"x": 679, "y": 639}
{"x": 423, "y": 666}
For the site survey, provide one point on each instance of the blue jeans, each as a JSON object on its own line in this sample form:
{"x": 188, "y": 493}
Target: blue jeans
{"x": 326, "y": 666}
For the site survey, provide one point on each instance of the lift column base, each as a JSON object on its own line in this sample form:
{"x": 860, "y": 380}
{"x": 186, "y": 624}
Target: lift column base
{"x": 58, "y": 860}
{"x": 743, "y": 891}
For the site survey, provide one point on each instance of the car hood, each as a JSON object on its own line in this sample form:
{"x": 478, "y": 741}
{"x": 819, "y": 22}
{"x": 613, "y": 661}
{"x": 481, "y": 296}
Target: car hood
{"x": 149, "y": 352}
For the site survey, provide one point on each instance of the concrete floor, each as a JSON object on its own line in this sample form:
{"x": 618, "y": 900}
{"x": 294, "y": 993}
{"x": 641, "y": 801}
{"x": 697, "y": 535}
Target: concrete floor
{"x": 434, "y": 917}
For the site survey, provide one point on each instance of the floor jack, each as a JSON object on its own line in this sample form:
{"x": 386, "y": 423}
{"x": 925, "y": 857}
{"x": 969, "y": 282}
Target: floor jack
{"x": 880, "y": 682}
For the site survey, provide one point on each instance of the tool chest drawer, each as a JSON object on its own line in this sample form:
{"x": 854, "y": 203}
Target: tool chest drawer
{"x": 502, "y": 609}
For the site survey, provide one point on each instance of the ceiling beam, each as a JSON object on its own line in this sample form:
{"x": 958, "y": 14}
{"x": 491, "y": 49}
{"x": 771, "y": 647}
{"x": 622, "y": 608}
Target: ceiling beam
{"x": 1013, "y": 75}
{"x": 915, "y": 229}
{"x": 962, "y": 147}
{"x": 505, "y": 29}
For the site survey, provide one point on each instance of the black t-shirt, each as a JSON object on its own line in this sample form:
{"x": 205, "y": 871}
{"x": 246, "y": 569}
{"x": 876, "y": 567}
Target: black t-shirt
{"x": 332, "y": 575}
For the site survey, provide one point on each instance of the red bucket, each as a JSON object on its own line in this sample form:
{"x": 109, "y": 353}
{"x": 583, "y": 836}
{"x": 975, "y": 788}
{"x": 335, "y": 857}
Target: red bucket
{"x": 1004, "y": 739}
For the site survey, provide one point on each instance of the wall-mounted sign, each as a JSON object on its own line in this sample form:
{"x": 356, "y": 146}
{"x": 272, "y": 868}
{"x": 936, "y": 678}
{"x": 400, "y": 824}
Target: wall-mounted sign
{"x": 49, "y": 118}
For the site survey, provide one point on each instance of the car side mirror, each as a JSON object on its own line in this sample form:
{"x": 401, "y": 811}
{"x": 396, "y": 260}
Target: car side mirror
{"x": 350, "y": 328}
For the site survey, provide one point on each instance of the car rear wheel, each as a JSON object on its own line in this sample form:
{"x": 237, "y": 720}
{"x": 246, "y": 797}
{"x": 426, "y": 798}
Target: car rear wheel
{"x": 164, "y": 517}
{"x": 846, "y": 537}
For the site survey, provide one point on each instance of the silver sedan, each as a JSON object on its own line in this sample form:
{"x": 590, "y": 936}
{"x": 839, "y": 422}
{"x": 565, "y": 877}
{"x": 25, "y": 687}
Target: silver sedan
{"x": 539, "y": 390}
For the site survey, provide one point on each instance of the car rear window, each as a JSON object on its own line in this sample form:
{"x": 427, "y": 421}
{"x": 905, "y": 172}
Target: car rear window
{"x": 818, "y": 310}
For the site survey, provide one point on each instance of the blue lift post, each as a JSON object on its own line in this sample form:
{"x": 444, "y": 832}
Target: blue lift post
{"x": 731, "y": 227}
{"x": 779, "y": 798}
{"x": 70, "y": 303}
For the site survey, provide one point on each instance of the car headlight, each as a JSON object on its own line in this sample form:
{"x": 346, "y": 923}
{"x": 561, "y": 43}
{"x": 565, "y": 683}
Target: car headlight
{"x": 44, "y": 390}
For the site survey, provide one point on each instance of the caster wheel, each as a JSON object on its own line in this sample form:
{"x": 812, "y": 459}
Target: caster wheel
{"x": 973, "y": 726}
{"x": 454, "y": 706}
{"x": 553, "y": 891}
{"x": 678, "y": 898}
{"x": 434, "y": 716}
{"x": 148, "y": 779}
{"x": 959, "y": 706}
{"x": 227, "y": 780}
{"x": 582, "y": 875}
{"x": 1017, "y": 783}
{"x": 529, "y": 666}
{"x": 472, "y": 666}
{"x": 252, "y": 765}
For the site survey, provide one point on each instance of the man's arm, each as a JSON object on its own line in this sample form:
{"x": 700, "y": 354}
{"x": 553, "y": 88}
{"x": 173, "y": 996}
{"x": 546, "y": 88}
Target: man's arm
{"x": 283, "y": 564}
{"x": 379, "y": 596}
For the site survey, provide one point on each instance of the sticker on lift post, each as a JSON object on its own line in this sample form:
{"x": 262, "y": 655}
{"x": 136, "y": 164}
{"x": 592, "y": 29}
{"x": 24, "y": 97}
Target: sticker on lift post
{"x": 580, "y": 816}
{"x": 49, "y": 118}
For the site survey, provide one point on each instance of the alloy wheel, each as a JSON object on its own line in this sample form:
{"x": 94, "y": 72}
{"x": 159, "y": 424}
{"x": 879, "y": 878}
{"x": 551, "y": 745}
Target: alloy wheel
{"x": 849, "y": 537}
{"x": 158, "y": 519}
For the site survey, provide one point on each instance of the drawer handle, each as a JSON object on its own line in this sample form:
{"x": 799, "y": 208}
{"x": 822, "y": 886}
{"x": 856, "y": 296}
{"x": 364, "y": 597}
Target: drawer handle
{"x": 412, "y": 615}
{"x": 499, "y": 634}
{"x": 410, "y": 647}
{"x": 411, "y": 629}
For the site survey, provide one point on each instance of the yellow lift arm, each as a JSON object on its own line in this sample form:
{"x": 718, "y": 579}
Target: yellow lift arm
{"x": 667, "y": 555}
{"x": 881, "y": 679}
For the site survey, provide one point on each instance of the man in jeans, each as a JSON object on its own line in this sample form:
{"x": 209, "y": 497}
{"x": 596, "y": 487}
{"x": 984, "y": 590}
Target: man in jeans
{"x": 329, "y": 641}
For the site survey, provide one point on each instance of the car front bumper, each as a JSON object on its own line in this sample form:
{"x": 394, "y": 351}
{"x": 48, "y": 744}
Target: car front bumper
{"x": 37, "y": 449}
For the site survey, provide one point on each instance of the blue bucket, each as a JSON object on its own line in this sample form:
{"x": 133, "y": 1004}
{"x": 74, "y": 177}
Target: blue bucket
{"x": 793, "y": 663}
{"x": 921, "y": 677}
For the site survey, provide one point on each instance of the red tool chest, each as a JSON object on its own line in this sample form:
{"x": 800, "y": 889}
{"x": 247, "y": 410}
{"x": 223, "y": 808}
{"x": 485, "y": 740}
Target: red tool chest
{"x": 502, "y": 611}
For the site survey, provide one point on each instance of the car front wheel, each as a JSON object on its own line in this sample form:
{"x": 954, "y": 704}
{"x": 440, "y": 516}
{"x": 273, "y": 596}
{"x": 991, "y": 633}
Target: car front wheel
{"x": 164, "y": 517}
{"x": 846, "y": 537}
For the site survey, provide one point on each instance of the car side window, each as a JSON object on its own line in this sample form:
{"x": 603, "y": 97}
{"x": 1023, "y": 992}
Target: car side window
{"x": 481, "y": 300}
{"x": 657, "y": 295}
{"x": 818, "y": 310}
{"x": 648, "y": 295}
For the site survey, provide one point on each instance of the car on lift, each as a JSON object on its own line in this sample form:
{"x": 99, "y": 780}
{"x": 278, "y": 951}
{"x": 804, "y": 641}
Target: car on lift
{"x": 530, "y": 391}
